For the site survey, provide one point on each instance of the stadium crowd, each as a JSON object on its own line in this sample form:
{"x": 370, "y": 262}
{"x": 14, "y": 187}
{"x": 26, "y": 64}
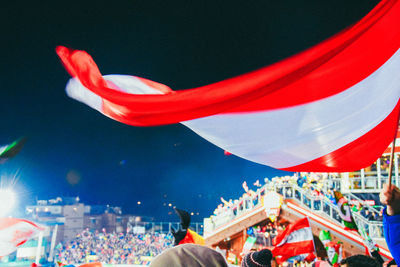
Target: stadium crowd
{"x": 113, "y": 248}
{"x": 144, "y": 249}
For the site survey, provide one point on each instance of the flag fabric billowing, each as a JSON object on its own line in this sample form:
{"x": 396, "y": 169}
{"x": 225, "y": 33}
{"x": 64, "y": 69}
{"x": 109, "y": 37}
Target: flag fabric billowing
{"x": 248, "y": 245}
{"x": 192, "y": 237}
{"x": 296, "y": 239}
{"x": 369, "y": 243}
{"x": 334, "y": 251}
{"x": 10, "y": 150}
{"x": 185, "y": 235}
{"x": 325, "y": 237}
{"x": 331, "y": 108}
{"x": 371, "y": 247}
{"x": 310, "y": 257}
{"x": 14, "y": 232}
{"x": 345, "y": 212}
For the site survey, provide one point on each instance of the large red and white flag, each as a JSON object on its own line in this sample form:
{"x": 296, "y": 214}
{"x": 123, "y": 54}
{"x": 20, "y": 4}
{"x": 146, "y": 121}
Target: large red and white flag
{"x": 296, "y": 239}
{"x": 333, "y": 107}
{"x": 14, "y": 232}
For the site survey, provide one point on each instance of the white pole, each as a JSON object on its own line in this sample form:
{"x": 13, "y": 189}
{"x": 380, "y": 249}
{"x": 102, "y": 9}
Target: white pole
{"x": 396, "y": 168}
{"x": 378, "y": 172}
{"x": 362, "y": 179}
{"x": 39, "y": 247}
{"x": 53, "y": 243}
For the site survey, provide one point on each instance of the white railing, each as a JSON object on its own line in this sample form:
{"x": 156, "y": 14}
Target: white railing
{"x": 363, "y": 183}
{"x": 317, "y": 204}
{"x": 165, "y": 227}
{"x": 229, "y": 213}
{"x": 324, "y": 206}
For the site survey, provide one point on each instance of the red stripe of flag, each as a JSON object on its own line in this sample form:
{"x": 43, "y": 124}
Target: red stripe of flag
{"x": 348, "y": 157}
{"x": 362, "y": 49}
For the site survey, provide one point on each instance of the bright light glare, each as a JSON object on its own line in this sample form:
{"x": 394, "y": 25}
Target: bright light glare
{"x": 7, "y": 201}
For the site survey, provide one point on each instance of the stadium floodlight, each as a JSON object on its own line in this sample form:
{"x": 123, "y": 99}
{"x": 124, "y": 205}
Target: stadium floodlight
{"x": 7, "y": 201}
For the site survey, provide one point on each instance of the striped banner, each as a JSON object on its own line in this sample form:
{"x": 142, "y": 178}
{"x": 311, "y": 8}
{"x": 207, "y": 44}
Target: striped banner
{"x": 331, "y": 108}
{"x": 15, "y": 232}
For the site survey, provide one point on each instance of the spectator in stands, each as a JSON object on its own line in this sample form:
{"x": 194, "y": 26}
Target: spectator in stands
{"x": 189, "y": 255}
{"x": 374, "y": 216}
{"x": 371, "y": 215}
{"x": 390, "y": 196}
{"x": 331, "y": 197}
{"x": 359, "y": 260}
{"x": 380, "y": 215}
{"x": 365, "y": 212}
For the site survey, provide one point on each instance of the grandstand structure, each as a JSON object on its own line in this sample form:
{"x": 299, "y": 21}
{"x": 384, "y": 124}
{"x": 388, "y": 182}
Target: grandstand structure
{"x": 371, "y": 179}
{"x": 228, "y": 229}
{"x": 65, "y": 218}
{"x": 72, "y": 216}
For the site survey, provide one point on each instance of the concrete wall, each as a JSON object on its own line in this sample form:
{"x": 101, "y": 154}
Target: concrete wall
{"x": 73, "y": 220}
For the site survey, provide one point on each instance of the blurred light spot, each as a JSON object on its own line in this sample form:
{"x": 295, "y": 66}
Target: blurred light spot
{"x": 7, "y": 201}
{"x": 73, "y": 177}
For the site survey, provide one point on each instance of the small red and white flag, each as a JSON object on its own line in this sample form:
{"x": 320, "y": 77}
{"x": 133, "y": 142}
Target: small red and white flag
{"x": 296, "y": 239}
{"x": 15, "y": 232}
{"x": 331, "y": 108}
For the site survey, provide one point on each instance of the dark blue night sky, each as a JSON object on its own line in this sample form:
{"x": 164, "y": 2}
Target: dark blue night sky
{"x": 74, "y": 150}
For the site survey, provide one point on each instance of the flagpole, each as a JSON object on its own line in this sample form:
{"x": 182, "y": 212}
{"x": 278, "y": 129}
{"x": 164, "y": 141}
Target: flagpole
{"x": 392, "y": 156}
{"x": 39, "y": 248}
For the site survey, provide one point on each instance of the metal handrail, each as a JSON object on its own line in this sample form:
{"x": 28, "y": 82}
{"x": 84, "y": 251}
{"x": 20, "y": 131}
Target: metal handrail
{"x": 166, "y": 227}
{"x": 292, "y": 191}
{"x": 351, "y": 196}
{"x": 373, "y": 228}
{"x": 364, "y": 183}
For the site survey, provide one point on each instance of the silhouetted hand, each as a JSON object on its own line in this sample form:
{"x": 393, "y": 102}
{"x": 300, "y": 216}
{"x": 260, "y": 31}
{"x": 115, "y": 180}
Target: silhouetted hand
{"x": 179, "y": 235}
{"x": 390, "y": 196}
